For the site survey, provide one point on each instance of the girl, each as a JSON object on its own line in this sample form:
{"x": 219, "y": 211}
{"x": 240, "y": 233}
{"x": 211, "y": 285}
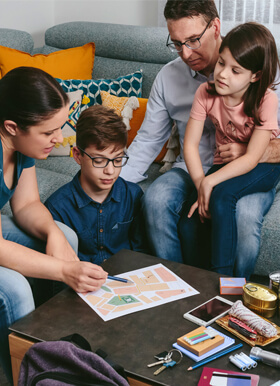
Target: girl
{"x": 241, "y": 104}
{"x": 33, "y": 107}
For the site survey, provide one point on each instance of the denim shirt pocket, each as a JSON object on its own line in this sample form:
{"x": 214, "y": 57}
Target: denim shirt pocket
{"x": 119, "y": 235}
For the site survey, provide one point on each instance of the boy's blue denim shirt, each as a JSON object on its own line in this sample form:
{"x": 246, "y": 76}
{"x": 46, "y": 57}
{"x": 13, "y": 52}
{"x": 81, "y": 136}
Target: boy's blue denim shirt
{"x": 102, "y": 229}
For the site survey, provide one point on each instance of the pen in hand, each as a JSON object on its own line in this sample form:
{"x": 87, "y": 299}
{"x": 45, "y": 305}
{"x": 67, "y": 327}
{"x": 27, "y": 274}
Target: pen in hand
{"x": 119, "y": 279}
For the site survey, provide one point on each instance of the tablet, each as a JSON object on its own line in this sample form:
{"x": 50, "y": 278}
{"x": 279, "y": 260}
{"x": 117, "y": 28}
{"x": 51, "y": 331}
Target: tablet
{"x": 209, "y": 311}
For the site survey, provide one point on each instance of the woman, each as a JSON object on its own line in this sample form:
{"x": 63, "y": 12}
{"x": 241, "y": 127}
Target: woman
{"x": 33, "y": 107}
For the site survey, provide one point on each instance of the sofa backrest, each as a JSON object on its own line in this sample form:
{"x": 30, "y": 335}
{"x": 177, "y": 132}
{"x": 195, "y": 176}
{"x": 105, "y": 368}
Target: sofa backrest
{"x": 19, "y": 40}
{"x": 120, "y": 49}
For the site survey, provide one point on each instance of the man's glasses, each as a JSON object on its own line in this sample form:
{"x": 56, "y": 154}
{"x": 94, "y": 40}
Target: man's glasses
{"x": 102, "y": 162}
{"x": 192, "y": 44}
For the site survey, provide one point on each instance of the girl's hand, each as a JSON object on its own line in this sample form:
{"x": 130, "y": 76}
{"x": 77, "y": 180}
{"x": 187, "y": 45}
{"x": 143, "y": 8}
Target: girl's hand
{"x": 193, "y": 209}
{"x": 204, "y": 194}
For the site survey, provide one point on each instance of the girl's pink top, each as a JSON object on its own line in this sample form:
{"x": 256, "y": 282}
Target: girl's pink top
{"x": 231, "y": 123}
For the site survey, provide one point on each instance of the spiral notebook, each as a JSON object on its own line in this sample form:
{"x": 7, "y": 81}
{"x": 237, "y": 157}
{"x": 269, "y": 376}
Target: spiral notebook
{"x": 227, "y": 342}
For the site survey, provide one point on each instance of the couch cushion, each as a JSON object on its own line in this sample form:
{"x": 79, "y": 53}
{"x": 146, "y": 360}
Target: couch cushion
{"x": 69, "y": 128}
{"x": 19, "y": 40}
{"x": 120, "y": 49}
{"x": 123, "y": 106}
{"x": 128, "y": 85}
{"x": 268, "y": 259}
{"x": 74, "y": 63}
{"x": 117, "y": 41}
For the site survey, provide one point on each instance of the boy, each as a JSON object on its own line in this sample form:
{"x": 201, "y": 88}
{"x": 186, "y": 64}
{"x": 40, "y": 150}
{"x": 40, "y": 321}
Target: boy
{"x": 102, "y": 208}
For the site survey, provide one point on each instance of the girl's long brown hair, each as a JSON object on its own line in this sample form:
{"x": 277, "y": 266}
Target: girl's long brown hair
{"x": 253, "y": 47}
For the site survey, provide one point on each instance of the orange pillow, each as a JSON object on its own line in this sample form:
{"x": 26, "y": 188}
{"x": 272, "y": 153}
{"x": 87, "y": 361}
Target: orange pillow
{"x": 136, "y": 122}
{"x": 72, "y": 63}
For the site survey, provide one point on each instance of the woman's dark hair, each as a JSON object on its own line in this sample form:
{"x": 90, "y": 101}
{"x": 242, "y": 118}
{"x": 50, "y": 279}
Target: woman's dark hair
{"x": 29, "y": 95}
{"x": 253, "y": 47}
{"x": 176, "y": 9}
{"x": 101, "y": 127}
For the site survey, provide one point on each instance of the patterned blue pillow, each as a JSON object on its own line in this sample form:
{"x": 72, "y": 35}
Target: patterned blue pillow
{"x": 124, "y": 86}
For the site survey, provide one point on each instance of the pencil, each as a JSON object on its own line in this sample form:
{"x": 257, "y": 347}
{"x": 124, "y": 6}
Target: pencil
{"x": 119, "y": 279}
{"x": 215, "y": 356}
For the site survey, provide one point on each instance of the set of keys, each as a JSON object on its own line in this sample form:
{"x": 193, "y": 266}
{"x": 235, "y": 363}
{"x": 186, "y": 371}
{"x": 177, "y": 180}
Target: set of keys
{"x": 165, "y": 359}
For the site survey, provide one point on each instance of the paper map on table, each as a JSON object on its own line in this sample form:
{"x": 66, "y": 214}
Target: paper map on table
{"x": 151, "y": 287}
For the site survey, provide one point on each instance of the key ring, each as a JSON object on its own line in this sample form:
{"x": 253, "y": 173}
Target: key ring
{"x": 170, "y": 354}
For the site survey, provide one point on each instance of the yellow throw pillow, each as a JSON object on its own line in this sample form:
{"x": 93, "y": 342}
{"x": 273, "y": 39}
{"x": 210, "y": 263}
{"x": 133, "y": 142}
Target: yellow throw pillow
{"x": 117, "y": 103}
{"x": 123, "y": 106}
{"x": 72, "y": 63}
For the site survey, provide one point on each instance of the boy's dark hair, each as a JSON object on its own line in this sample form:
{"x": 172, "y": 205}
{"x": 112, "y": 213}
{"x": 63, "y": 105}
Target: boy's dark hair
{"x": 176, "y": 9}
{"x": 253, "y": 46}
{"x": 28, "y": 96}
{"x": 101, "y": 127}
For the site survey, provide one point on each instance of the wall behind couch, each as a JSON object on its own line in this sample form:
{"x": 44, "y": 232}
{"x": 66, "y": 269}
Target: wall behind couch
{"x": 35, "y": 16}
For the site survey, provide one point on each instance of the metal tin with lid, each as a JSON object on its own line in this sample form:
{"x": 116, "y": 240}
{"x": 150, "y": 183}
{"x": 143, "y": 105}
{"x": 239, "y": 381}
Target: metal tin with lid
{"x": 260, "y": 299}
{"x": 274, "y": 284}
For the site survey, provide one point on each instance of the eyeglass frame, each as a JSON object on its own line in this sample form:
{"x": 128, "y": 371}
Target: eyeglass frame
{"x": 185, "y": 43}
{"x": 108, "y": 159}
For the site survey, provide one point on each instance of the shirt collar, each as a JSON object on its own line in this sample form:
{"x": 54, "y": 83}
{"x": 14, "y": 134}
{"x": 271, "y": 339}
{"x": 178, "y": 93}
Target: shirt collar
{"x": 82, "y": 199}
{"x": 198, "y": 75}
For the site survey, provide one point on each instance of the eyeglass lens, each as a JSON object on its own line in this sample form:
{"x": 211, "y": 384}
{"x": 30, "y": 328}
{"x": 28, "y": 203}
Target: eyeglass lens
{"x": 100, "y": 162}
{"x": 193, "y": 44}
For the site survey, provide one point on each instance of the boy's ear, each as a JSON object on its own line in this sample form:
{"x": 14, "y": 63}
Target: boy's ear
{"x": 11, "y": 127}
{"x": 76, "y": 155}
{"x": 255, "y": 77}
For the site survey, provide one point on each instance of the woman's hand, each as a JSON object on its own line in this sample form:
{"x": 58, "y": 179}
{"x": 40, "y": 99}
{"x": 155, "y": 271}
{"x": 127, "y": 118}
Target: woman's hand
{"x": 83, "y": 276}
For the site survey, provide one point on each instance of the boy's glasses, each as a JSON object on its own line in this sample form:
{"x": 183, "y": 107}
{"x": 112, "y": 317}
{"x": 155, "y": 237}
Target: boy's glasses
{"x": 102, "y": 162}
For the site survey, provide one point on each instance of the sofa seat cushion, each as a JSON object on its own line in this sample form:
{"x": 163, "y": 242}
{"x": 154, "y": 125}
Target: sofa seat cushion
{"x": 270, "y": 246}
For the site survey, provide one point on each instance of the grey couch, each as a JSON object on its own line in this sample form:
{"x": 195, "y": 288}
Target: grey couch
{"x": 120, "y": 50}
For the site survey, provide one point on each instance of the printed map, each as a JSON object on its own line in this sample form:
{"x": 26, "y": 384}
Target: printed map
{"x": 150, "y": 287}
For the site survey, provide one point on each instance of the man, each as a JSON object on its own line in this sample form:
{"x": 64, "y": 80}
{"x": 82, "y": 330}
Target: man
{"x": 194, "y": 32}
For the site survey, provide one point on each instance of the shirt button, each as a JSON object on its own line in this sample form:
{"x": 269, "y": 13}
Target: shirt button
{"x": 100, "y": 211}
{"x": 101, "y": 247}
{"x": 101, "y": 230}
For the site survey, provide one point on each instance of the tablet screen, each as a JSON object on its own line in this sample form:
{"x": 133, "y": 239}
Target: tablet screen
{"x": 210, "y": 310}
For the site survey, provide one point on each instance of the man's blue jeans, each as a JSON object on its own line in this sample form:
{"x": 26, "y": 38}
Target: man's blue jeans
{"x": 16, "y": 299}
{"x": 164, "y": 205}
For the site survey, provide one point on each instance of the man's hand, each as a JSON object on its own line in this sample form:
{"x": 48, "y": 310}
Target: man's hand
{"x": 83, "y": 276}
{"x": 231, "y": 151}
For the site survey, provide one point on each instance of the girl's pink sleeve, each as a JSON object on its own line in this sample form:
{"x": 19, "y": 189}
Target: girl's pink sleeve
{"x": 199, "y": 108}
